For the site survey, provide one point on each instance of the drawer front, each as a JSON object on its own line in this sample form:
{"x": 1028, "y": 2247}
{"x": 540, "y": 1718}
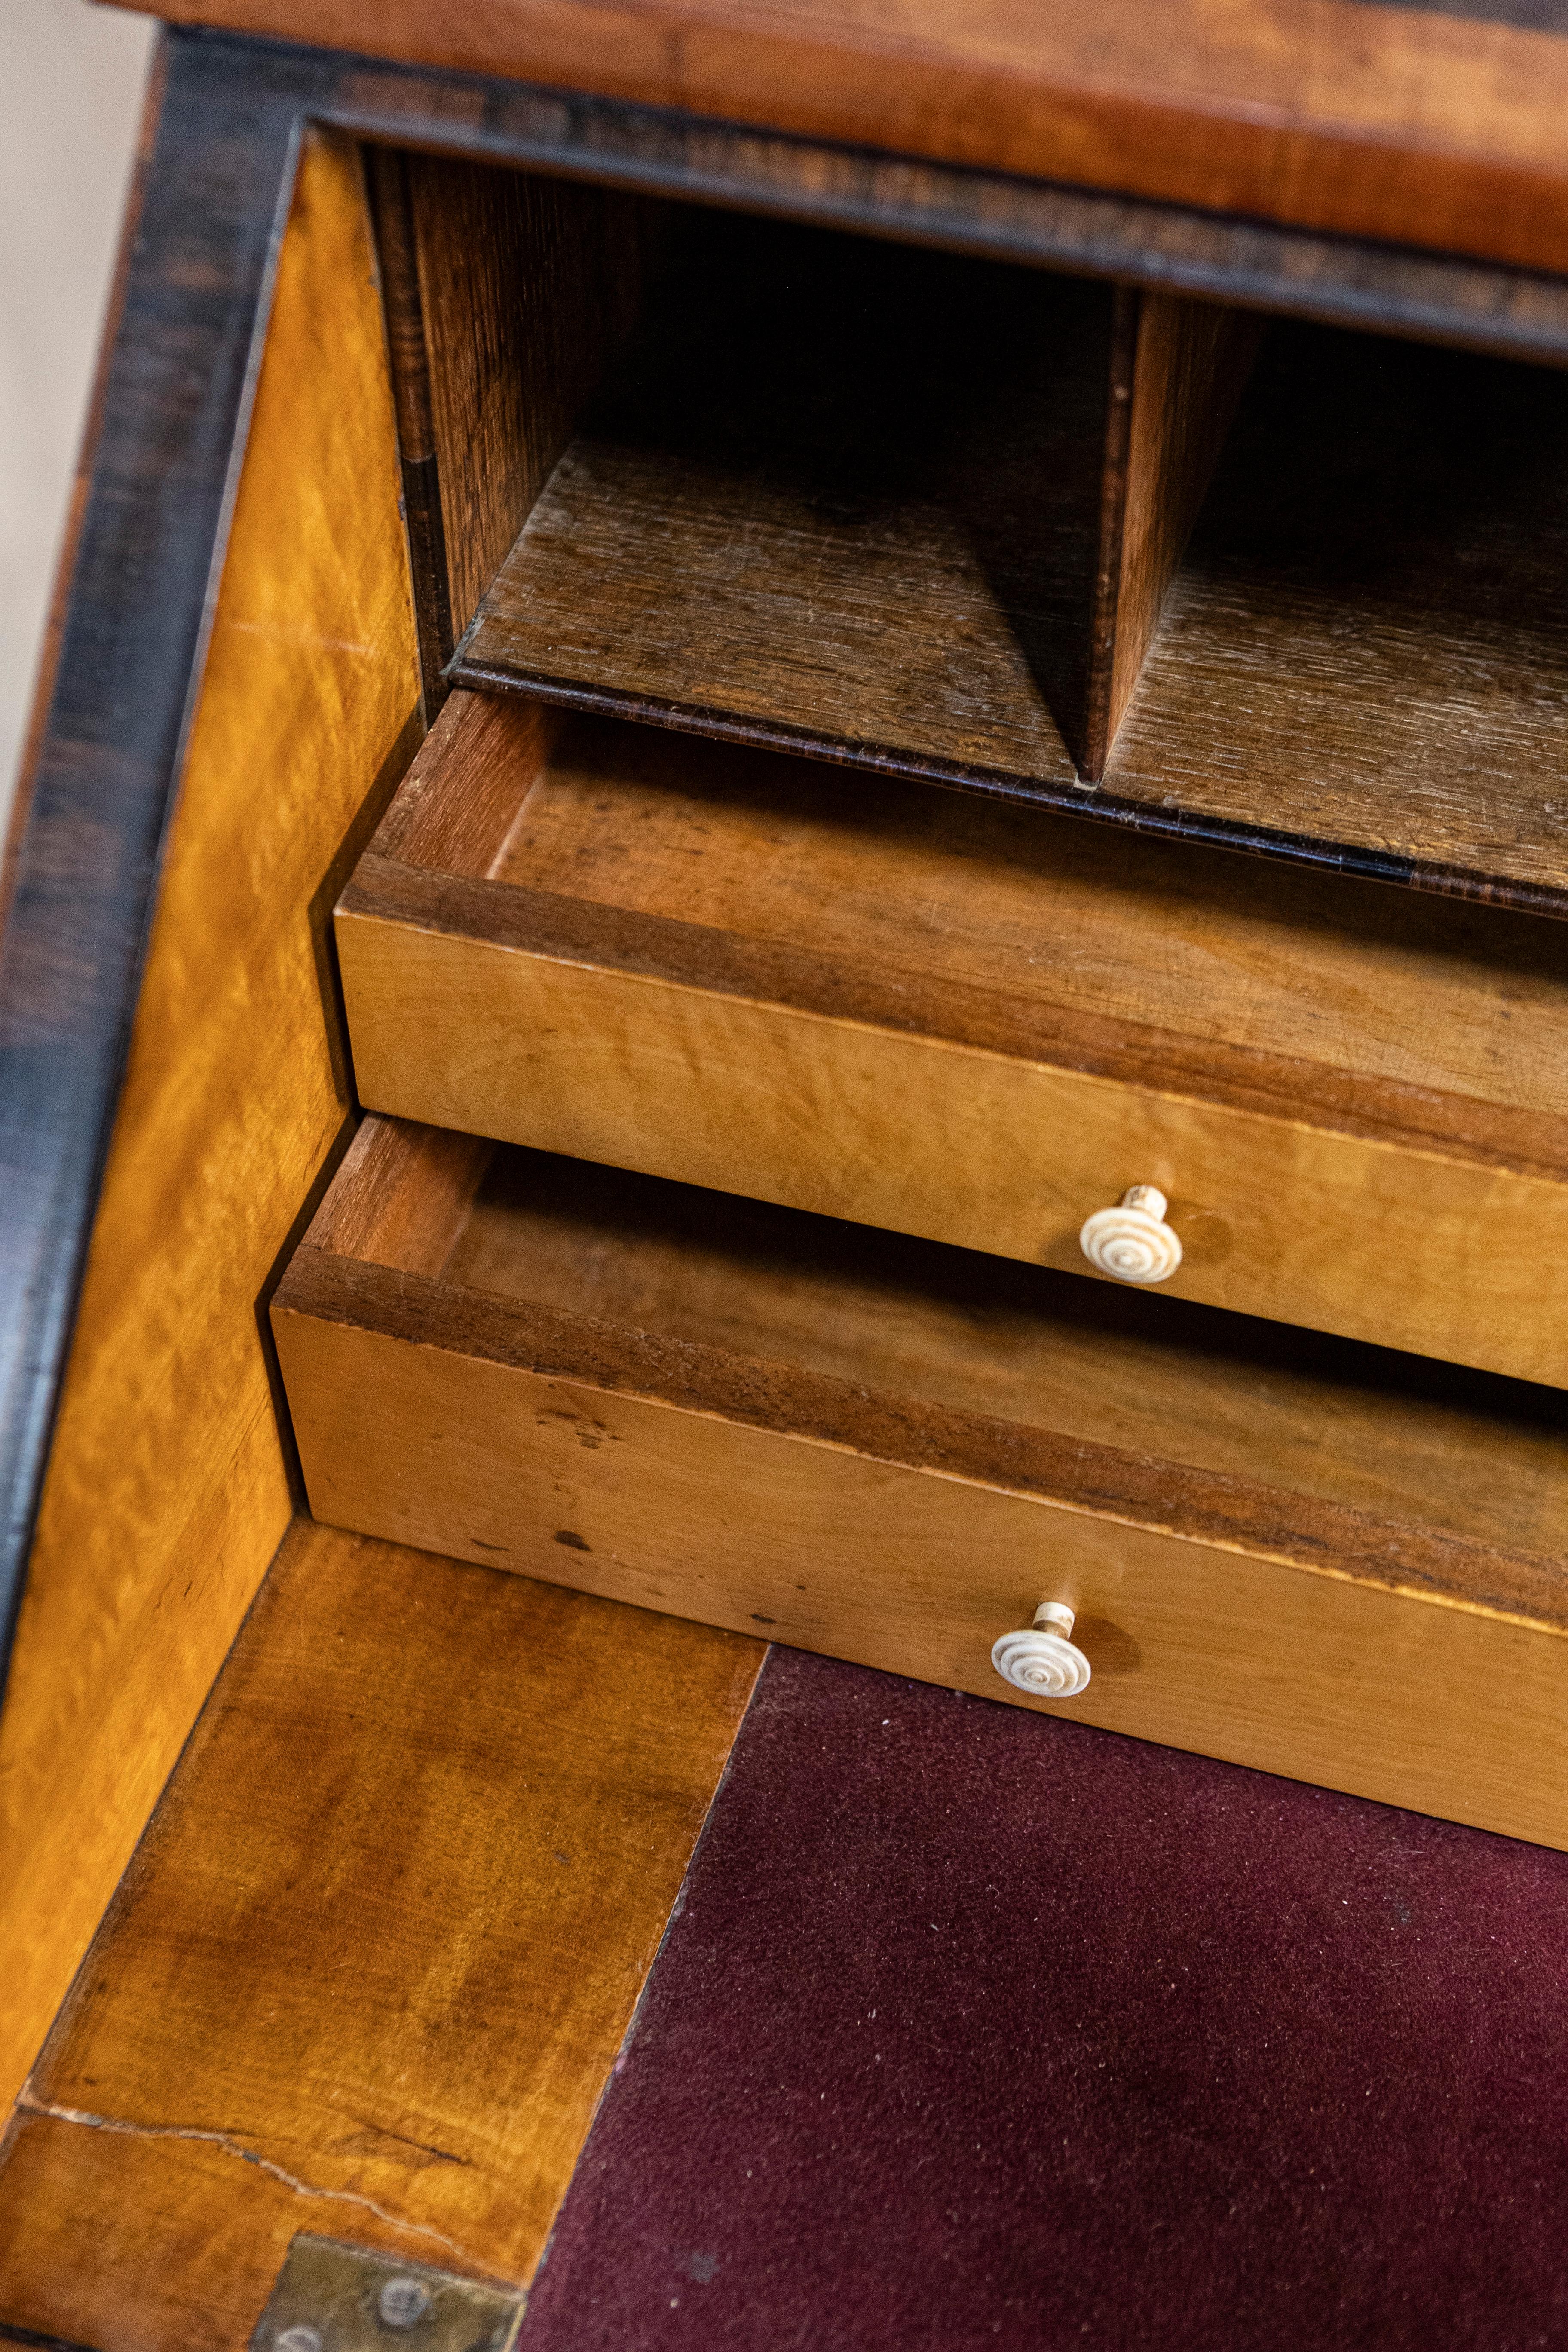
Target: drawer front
{"x": 1408, "y": 1248}
{"x": 1442, "y": 1708}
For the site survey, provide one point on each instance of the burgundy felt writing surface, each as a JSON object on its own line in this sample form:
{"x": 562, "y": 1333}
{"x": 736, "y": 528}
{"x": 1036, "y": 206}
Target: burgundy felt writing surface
{"x": 978, "y": 2028}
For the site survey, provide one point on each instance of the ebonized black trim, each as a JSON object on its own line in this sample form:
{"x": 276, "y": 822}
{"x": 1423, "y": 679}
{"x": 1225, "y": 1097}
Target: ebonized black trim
{"x": 30, "y": 2336}
{"x": 200, "y": 243}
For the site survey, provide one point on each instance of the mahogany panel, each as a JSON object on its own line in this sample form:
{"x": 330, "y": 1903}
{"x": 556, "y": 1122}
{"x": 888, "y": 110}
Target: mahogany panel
{"x": 1426, "y": 126}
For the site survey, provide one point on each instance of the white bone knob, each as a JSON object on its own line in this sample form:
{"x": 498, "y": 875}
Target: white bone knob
{"x": 1132, "y": 1242}
{"x": 1040, "y": 1659}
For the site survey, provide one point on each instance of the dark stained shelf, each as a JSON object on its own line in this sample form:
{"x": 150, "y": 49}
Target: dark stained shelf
{"x": 864, "y": 529}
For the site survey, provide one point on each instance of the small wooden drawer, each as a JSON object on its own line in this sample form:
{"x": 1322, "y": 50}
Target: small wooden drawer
{"x": 976, "y": 1023}
{"x": 1301, "y": 1554}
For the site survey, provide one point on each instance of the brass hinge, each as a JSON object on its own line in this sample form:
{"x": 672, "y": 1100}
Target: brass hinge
{"x": 329, "y": 2297}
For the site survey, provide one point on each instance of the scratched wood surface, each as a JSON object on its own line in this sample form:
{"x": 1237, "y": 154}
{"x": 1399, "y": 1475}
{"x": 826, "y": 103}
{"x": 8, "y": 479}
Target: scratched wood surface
{"x": 1429, "y": 126}
{"x": 372, "y": 1964}
{"x": 880, "y": 1451}
{"x": 168, "y": 1491}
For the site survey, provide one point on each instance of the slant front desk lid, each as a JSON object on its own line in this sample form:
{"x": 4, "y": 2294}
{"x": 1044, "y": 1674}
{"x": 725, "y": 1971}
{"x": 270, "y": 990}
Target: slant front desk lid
{"x": 1433, "y": 126}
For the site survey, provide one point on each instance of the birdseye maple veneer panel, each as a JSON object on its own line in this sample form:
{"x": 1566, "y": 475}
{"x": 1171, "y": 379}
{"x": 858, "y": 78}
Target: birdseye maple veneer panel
{"x": 912, "y": 507}
{"x": 952, "y": 1017}
{"x": 1362, "y": 659}
{"x": 1300, "y": 1554}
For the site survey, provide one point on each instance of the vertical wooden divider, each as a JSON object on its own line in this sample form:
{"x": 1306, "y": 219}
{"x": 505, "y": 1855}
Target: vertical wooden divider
{"x": 1178, "y": 370}
{"x": 392, "y": 218}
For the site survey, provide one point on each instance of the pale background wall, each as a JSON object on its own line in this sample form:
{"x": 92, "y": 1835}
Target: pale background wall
{"x": 70, "y": 96}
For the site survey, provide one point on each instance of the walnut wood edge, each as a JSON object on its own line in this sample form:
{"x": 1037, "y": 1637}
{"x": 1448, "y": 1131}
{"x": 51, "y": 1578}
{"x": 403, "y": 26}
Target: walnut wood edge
{"x": 1238, "y": 256}
{"x": 1097, "y": 1481}
{"x": 543, "y": 924}
{"x": 1354, "y": 859}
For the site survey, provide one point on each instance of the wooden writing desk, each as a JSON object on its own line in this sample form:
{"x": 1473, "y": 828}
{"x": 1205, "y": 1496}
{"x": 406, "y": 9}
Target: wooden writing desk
{"x": 1194, "y": 796}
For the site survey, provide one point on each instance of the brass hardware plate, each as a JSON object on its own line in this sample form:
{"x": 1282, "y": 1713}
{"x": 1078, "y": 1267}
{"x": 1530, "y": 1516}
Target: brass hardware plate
{"x": 331, "y": 2297}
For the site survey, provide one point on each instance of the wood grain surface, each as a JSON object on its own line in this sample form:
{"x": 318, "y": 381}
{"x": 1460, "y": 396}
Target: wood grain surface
{"x": 106, "y": 739}
{"x": 694, "y": 1404}
{"x": 1363, "y": 643}
{"x": 846, "y": 489}
{"x": 371, "y": 1966}
{"x": 1395, "y": 1436}
{"x": 927, "y": 1012}
{"x": 1359, "y": 661}
{"x": 1424, "y": 126}
{"x": 527, "y": 284}
{"x": 396, "y": 237}
{"x": 793, "y": 407}
{"x": 802, "y": 503}
{"x": 1172, "y": 248}
{"x": 1190, "y": 365}
{"x": 168, "y": 1489}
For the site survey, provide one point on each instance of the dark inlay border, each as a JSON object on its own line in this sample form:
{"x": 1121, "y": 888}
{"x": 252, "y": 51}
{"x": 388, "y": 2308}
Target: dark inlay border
{"x": 1524, "y": 16}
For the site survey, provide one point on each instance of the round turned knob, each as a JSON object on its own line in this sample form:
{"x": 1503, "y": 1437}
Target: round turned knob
{"x": 1132, "y": 1242}
{"x": 1040, "y": 1659}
